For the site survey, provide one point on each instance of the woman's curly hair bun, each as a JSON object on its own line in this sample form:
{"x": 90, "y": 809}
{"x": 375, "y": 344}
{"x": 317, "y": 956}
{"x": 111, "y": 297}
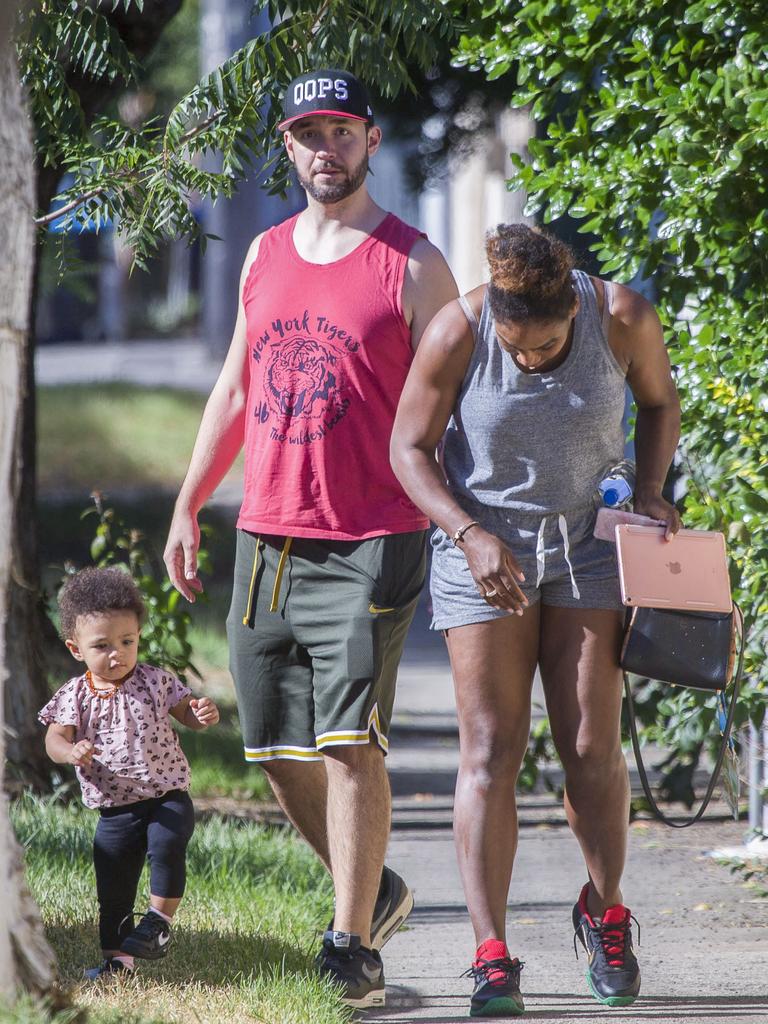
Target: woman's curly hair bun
{"x": 531, "y": 270}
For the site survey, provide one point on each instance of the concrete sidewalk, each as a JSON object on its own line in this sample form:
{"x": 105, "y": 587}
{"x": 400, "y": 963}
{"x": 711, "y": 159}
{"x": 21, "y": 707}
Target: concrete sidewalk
{"x": 704, "y": 938}
{"x": 183, "y": 363}
{"x": 704, "y": 941}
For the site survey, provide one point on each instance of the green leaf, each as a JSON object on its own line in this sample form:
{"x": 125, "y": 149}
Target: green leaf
{"x": 98, "y": 547}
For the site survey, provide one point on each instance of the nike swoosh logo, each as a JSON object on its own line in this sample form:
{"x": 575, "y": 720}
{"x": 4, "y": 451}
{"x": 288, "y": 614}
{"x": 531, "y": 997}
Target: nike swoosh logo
{"x": 375, "y": 609}
{"x": 163, "y": 940}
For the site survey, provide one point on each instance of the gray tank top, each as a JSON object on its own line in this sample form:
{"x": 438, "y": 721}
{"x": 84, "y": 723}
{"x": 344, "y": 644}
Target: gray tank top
{"x": 537, "y": 442}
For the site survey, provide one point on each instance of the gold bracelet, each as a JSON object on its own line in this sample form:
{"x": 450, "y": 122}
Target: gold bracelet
{"x": 459, "y": 535}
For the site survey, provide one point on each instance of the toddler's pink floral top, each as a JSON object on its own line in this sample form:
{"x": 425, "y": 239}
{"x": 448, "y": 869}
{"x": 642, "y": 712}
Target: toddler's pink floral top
{"x": 140, "y": 756}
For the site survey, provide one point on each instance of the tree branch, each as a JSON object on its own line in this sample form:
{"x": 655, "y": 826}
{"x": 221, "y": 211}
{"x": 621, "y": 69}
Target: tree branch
{"x": 49, "y": 218}
{"x": 73, "y": 204}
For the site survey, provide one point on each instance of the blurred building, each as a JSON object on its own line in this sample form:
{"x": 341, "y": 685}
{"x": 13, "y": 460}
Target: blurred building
{"x": 473, "y": 196}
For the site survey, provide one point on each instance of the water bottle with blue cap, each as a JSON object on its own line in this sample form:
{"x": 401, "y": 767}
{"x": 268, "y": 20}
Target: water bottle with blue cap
{"x": 617, "y": 487}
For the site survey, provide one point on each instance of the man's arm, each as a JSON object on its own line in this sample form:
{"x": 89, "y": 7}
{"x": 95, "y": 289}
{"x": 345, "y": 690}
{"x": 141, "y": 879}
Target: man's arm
{"x": 638, "y": 341}
{"x": 427, "y": 287}
{"x": 219, "y": 439}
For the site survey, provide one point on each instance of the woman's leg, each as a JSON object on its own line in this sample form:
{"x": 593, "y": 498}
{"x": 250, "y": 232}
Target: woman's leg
{"x": 582, "y": 682}
{"x": 493, "y": 665}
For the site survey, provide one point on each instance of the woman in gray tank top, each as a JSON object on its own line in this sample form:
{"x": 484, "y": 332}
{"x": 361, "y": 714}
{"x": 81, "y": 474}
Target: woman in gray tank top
{"x": 523, "y": 381}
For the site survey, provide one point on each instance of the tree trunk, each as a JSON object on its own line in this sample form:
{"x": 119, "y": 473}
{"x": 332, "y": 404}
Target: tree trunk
{"x": 32, "y": 648}
{"x": 28, "y": 630}
{"x": 26, "y": 960}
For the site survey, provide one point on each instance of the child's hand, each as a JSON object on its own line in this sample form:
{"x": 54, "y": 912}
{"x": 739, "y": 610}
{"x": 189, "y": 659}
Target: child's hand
{"x": 204, "y": 710}
{"x": 81, "y": 753}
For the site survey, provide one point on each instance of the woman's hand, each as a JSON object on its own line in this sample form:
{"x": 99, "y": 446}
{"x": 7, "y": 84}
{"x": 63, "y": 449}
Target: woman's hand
{"x": 494, "y": 570}
{"x": 656, "y": 507}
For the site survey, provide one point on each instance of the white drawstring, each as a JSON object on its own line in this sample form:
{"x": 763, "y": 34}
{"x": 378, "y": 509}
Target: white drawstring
{"x": 541, "y": 557}
{"x": 567, "y": 551}
{"x": 540, "y": 563}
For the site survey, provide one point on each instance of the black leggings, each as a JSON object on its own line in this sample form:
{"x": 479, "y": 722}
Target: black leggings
{"x": 157, "y": 830}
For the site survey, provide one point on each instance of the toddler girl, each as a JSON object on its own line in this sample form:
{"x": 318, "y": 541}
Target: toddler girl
{"x": 112, "y": 724}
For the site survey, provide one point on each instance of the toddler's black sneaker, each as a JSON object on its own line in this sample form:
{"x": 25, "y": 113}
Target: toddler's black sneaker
{"x": 105, "y": 969}
{"x": 150, "y": 939}
{"x": 613, "y": 973}
{"x": 358, "y": 971}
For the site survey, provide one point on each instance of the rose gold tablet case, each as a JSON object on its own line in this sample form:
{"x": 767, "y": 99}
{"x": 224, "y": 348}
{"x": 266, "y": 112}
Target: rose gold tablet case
{"x": 689, "y": 572}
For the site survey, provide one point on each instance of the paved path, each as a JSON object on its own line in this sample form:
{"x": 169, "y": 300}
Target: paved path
{"x": 179, "y": 362}
{"x": 704, "y": 941}
{"x": 704, "y": 938}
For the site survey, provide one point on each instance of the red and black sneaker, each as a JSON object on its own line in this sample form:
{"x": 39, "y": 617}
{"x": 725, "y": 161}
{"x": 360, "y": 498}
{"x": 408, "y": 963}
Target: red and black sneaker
{"x": 497, "y": 982}
{"x": 613, "y": 974}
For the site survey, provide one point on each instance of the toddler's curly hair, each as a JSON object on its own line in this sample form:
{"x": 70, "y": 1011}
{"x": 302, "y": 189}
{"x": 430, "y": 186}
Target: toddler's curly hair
{"x": 530, "y": 275}
{"x": 94, "y": 591}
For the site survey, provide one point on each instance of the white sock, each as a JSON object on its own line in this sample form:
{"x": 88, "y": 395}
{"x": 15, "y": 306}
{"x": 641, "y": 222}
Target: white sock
{"x": 124, "y": 959}
{"x": 154, "y": 910}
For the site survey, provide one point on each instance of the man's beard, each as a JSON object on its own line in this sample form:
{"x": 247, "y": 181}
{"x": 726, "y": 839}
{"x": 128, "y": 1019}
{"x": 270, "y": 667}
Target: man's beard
{"x": 336, "y": 190}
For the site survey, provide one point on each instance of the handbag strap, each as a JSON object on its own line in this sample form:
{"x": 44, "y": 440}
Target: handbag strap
{"x": 685, "y": 822}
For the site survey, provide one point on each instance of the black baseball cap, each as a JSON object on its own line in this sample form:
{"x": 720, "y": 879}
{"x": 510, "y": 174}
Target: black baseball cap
{"x": 327, "y": 91}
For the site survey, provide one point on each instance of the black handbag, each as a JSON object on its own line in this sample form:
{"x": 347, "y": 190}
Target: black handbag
{"x": 695, "y": 649}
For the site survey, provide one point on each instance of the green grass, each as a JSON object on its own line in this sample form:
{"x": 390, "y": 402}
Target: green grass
{"x": 115, "y": 437}
{"x": 245, "y": 935}
{"x": 208, "y": 635}
{"x": 28, "y": 1010}
{"x": 209, "y": 643}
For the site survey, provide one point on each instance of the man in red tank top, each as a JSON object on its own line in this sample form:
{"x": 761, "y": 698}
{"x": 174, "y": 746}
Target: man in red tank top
{"x": 330, "y": 550}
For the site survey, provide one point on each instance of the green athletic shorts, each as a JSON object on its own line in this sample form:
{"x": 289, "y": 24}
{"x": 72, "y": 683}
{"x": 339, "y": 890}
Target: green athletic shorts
{"x": 316, "y": 630}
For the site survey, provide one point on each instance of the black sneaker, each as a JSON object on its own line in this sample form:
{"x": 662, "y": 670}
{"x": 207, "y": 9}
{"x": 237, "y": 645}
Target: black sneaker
{"x": 497, "y": 986}
{"x": 393, "y": 905}
{"x": 106, "y": 968}
{"x": 613, "y": 974}
{"x": 150, "y": 939}
{"x": 357, "y": 970}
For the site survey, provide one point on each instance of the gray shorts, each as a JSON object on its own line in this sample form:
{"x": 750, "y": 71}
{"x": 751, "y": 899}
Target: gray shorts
{"x": 543, "y": 546}
{"x": 316, "y": 630}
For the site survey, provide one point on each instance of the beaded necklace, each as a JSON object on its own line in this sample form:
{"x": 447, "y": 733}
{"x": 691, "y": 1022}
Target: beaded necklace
{"x": 104, "y": 694}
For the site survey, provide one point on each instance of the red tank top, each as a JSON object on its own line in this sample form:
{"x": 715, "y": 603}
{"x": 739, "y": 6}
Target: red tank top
{"x": 329, "y": 354}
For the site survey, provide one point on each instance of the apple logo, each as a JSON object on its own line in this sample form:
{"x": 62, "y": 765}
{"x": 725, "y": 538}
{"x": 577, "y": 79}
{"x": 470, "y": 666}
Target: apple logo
{"x": 674, "y": 568}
